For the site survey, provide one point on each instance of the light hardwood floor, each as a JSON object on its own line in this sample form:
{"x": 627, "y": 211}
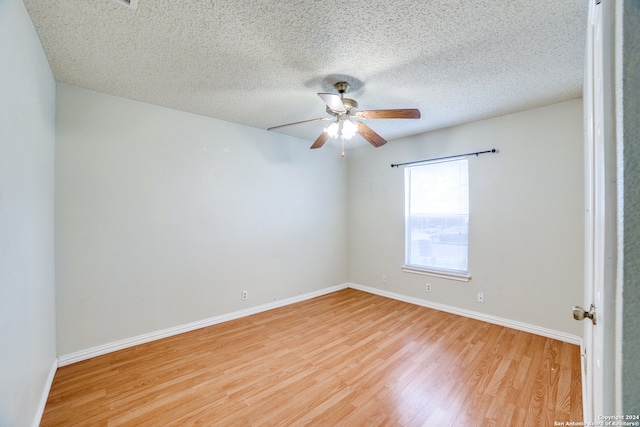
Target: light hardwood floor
{"x": 348, "y": 358}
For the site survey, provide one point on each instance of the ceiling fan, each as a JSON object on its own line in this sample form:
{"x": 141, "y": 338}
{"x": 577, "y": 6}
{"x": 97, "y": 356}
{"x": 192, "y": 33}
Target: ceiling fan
{"x": 342, "y": 110}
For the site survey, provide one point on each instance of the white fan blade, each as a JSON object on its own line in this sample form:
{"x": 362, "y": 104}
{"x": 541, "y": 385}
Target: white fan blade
{"x": 333, "y": 101}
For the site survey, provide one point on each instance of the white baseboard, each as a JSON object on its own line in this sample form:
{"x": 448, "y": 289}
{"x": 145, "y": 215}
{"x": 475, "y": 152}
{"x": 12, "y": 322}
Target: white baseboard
{"x": 68, "y": 359}
{"x": 37, "y": 418}
{"x": 152, "y": 336}
{"x": 537, "y": 330}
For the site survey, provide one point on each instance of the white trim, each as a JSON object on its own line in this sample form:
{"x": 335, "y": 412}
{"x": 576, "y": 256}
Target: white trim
{"x": 37, "y": 418}
{"x": 586, "y": 406}
{"x": 589, "y": 194}
{"x": 441, "y": 274}
{"x": 537, "y": 330}
{"x": 100, "y": 350}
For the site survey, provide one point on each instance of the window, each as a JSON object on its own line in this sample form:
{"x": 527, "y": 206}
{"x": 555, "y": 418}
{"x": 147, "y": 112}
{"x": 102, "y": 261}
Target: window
{"x": 437, "y": 218}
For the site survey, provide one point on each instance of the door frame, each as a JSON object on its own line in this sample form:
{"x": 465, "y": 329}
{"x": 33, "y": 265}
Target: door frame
{"x": 592, "y": 178}
{"x": 598, "y": 349}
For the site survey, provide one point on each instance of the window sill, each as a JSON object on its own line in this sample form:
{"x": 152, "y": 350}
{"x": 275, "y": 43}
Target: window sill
{"x": 441, "y": 274}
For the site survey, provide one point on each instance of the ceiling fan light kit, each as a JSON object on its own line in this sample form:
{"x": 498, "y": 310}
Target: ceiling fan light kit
{"x": 342, "y": 110}
{"x": 343, "y": 128}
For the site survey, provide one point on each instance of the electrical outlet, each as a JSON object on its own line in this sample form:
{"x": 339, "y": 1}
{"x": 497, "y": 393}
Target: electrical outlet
{"x": 245, "y": 295}
{"x": 481, "y": 297}
{"x": 384, "y": 278}
{"x": 428, "y": 287}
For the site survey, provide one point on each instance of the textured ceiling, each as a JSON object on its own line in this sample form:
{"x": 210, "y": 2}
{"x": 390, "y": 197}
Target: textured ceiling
{"x": 261, "y": 62}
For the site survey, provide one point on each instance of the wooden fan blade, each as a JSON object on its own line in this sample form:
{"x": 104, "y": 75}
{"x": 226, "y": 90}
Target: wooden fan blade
{"x": 333, "y": 101}
{"x": 320, "y": 141}
{"x": 410, "y": 113}
{"x": 367, "y": 133}
{"x": 304, "y": 121}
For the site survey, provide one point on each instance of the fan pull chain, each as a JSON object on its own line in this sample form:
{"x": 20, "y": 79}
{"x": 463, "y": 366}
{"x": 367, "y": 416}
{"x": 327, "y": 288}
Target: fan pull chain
{"x": 342, "y": 138}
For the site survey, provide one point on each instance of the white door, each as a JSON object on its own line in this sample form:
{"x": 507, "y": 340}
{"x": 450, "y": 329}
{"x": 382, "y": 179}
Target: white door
{"x": 600, "y": 233}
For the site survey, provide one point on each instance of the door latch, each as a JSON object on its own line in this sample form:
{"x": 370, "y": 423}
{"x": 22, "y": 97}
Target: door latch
{"x": 580, "y": 313}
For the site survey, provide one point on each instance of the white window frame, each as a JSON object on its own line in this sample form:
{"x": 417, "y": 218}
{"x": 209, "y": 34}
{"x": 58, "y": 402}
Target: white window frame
{"x": 454, "y": 274}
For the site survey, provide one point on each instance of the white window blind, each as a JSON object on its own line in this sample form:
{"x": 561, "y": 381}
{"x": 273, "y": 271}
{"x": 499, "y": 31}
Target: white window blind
{"x": 437, "y": 217}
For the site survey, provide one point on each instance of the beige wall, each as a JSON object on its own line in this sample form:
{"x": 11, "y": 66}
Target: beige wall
{"x": 526, "y": 216}
{"x": 164, "y": 217}
{"x": 27, "y": 293}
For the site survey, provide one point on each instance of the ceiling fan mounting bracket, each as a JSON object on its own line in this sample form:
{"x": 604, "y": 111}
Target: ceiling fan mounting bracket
{"x": 341, "y": 87}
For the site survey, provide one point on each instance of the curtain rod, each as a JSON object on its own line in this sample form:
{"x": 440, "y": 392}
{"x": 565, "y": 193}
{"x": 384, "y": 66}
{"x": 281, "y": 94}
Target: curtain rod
{"x": 477, "y": 153}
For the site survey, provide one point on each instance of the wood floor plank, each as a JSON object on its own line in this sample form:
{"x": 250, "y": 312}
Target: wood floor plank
{"x": 348, "y": 358}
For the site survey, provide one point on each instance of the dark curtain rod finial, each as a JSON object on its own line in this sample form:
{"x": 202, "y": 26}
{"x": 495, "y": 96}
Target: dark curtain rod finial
{"x": 477, "y": 153}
